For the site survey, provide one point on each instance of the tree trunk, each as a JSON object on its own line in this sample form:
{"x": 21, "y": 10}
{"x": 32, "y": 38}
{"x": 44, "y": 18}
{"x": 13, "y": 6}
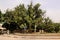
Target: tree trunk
{"x": 8, "y": 32}
{"x": 35, "y": 29}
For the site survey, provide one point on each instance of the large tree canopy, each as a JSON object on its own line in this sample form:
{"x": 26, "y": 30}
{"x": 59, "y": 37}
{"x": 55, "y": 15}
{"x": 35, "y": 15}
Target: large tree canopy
{"x": 31, "y": 18}
{"x": 25, "y": 17}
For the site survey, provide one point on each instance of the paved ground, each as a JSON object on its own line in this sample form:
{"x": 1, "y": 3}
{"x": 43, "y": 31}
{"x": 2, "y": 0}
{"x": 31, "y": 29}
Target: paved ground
{"x": 17, "y": 37}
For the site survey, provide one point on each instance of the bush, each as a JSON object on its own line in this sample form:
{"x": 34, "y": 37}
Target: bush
{"x": 11, "y": 27}
{"x": 49, "y": 29}
{"x": 6, "y": 25}
{"x": 57, "y": 29}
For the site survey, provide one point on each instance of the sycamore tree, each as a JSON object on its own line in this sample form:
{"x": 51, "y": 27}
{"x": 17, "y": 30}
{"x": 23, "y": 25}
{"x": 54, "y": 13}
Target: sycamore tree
{"x": 1, "y": 17}
{"x": 34, "y": 16}
{"x": 56, "y": 27}
{"x": 19, "y": 16}
{"x": 49, "y": 26}
{"x": 38, "y": 15}
{"x": 8, "y": 16}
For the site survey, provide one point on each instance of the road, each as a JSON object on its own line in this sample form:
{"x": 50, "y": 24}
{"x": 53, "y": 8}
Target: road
{"x": 16, "y": 37}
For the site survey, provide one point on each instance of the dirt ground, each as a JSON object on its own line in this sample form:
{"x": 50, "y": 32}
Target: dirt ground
{"x": 51, "y": 36}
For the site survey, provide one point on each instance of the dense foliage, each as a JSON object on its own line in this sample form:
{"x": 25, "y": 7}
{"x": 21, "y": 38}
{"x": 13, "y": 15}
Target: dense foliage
{"x": 31, "y": 18}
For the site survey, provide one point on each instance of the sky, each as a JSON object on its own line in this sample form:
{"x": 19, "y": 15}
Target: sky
{"x": 52, "y": 7}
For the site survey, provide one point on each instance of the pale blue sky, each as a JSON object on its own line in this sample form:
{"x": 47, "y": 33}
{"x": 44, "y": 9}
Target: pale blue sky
{"x": 52, "y": 7}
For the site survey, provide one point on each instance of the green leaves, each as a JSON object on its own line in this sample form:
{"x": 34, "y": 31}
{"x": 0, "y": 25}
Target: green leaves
{"x": 31, "y": 17}
{"x": 23, "y": 25}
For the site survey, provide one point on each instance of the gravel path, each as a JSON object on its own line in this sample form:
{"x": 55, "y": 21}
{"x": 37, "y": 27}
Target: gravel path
{"x": 16, "y": 37}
